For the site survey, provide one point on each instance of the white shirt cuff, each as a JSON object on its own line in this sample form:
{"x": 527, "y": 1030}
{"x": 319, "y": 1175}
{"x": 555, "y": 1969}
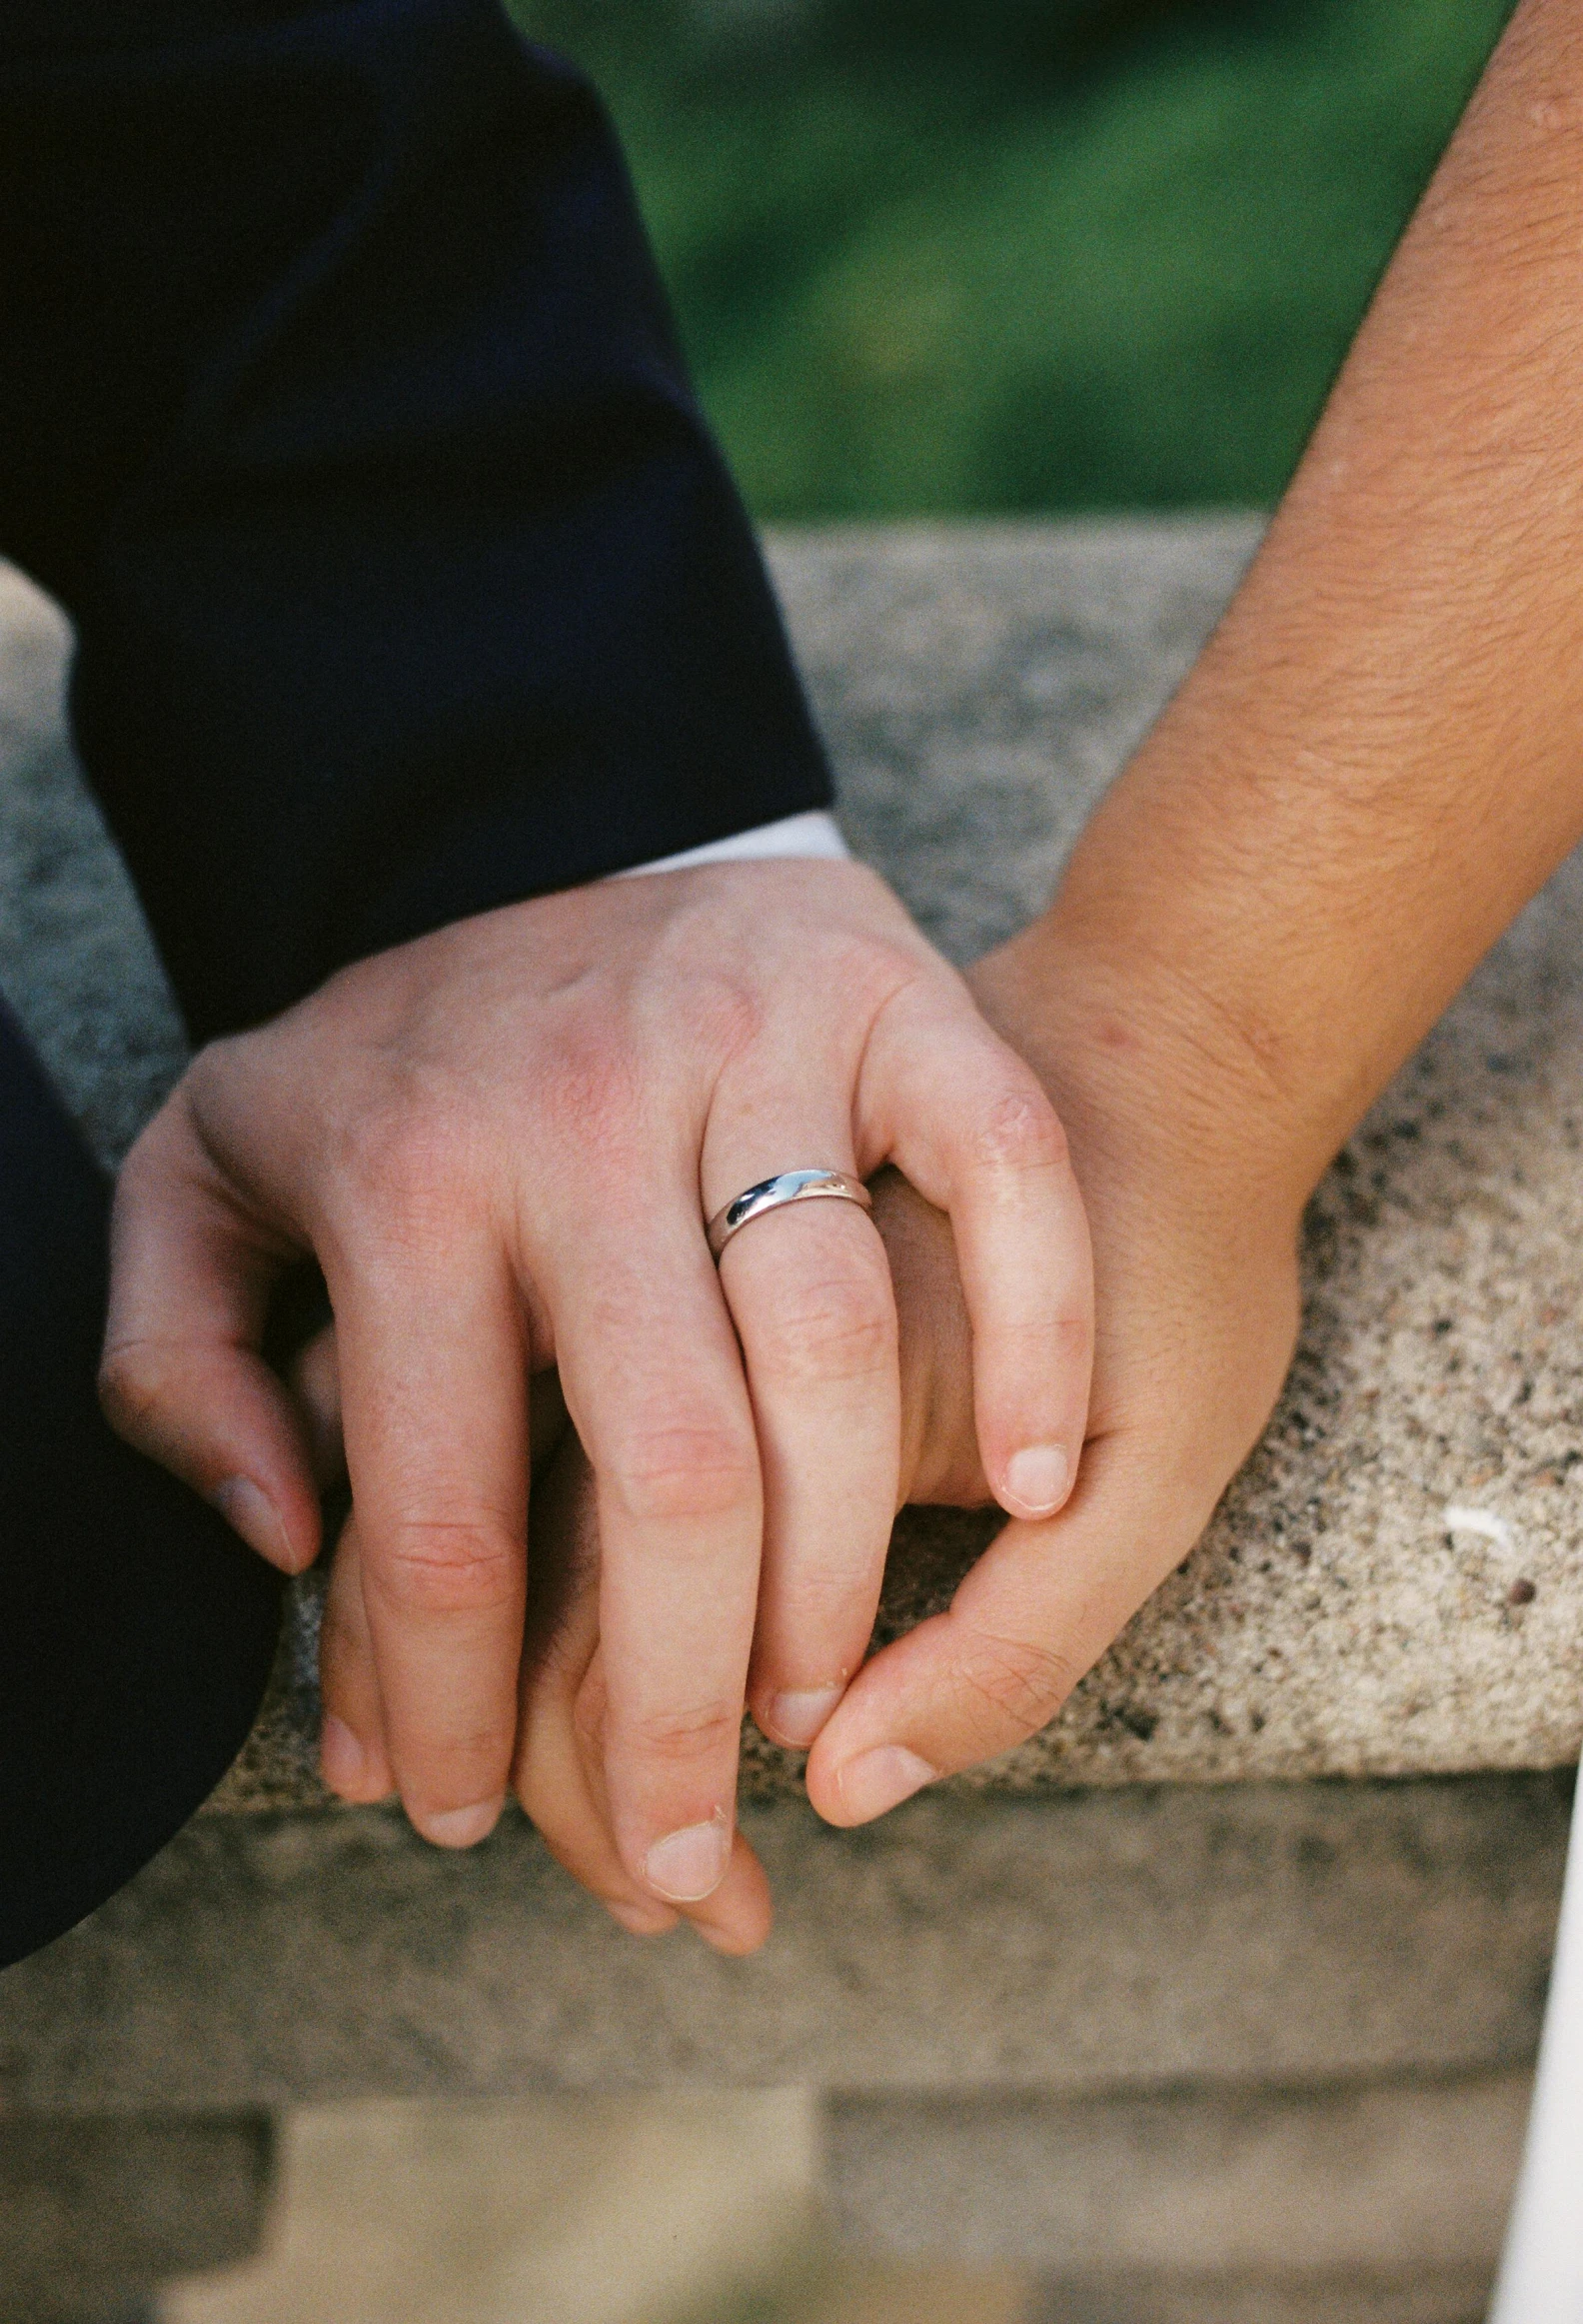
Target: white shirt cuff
{"x": 813, "y": 834}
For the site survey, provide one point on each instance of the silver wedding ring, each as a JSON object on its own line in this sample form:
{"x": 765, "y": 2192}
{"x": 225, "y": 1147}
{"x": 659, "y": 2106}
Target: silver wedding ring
{"x": 775, "y": 1194}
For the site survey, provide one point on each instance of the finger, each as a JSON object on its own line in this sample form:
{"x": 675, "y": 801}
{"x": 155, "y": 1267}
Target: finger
{"x": 969, "y": 1124}
{"x": 1032, "y": 1617}
{"x": 314, "y": 1378}
{"x": 653, "y": 1378}
{"x": 558, "y": 1774}
{"x": 809, "y": 1292}
{"x": 561, "y": 1783}
{"x": 435, "y": 1397}
{"x": 180, "y": 1377}
{"x": 940, "y": 1443}
{"x": 736, "y": 1918}
{"x": 352, "y": 1753}
{"x": 557, "y": 1781}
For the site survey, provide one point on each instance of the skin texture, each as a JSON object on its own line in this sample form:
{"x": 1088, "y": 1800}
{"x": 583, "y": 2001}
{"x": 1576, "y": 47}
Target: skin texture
{"x": 1378, "y": 761}
{"x": 501, "y": 1146}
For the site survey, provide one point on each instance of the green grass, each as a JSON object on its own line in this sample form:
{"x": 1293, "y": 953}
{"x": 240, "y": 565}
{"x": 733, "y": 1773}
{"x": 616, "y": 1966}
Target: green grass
{"x": 932, "y": 256}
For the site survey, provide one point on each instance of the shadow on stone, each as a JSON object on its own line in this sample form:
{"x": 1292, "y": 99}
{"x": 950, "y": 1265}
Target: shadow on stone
{"x": 94, "y": 2211}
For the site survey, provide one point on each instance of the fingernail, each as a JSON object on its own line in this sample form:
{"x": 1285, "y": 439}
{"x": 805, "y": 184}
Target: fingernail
{"x": 462, "y": 1827}
{"x": 249, "y": 1510}
{"x": 341, "y": 1755}
{"x": 878, "y": 1781}
{"x": 1037, "y": 1479}
{"x": 690, "y": 1865}
{"x": 797, "y": 1715}
{"x": 637, "y": 1923}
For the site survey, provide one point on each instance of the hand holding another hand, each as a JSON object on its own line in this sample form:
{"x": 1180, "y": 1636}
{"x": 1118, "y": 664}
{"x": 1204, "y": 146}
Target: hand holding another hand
{"x": 1179, "y": 1150}
{"x": 501, "y": 1144}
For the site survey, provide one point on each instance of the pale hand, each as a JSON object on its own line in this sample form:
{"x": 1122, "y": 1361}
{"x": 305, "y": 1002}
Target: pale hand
{"x": 1195, "y": 1228}
{"x": 501, "y": 1143}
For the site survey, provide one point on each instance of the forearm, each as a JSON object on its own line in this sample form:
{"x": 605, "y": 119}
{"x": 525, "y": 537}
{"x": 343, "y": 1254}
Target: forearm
{"x": 1379, "y": 758}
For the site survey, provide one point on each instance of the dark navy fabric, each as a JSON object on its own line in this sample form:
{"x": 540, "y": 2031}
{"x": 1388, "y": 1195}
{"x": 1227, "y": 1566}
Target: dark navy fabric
{"x": 340, "y": 406}
{"x": 136, "y": 1631}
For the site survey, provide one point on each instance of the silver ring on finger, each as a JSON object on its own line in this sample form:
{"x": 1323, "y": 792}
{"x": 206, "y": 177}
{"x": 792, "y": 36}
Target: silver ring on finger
{"x": 775, "y": 1194}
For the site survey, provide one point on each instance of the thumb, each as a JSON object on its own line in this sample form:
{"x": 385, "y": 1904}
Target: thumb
{"x": 1030, "y": 1618}
{"x": 182, "y": 1379}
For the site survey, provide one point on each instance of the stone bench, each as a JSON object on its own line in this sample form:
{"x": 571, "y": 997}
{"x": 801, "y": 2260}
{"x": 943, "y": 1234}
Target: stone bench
{"x": 1218, "y": 1997}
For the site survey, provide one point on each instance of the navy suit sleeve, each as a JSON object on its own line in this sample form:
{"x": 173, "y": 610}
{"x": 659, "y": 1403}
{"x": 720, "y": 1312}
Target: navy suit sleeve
{"x": 340, "y": 407}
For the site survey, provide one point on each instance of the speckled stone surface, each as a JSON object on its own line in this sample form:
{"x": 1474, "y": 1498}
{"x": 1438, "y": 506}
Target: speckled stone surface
{"x": 1395, "y": 1583}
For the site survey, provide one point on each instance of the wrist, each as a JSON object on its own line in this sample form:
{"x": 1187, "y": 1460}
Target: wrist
{"x": 1159, "y": 1084}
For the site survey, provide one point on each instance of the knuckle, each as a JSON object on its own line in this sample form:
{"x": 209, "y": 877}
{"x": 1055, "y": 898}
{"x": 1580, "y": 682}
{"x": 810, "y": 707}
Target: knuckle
{"x": 685, "y": 1736}
{"x": 1048, "y": 1348}
{"x": 1020, "y": 1129}
{"x": 728, "y": 1014}
{"x": 1015, "y": 1685}
{"x": 825, "y": 1600}
{"x": 134, "y": 1387}
{"x": 453, "y": 1768}
{"x": 406, "y": 1158}
{"x": 1072, "y": 1336}
{"x": 684, "y": 1469}
{"x": 451, "y": 1566}
{"x": 592, "y": 1094}
{"x": 206, "y": 1080}
{"x": 834, "y": 1328}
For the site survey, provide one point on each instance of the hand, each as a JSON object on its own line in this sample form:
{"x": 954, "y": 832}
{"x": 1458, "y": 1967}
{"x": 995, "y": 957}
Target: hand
{"x": 1371, "y": 768}
{"x": 1181, "y": 1153}
{"x": 1179, "y": 1150}
{"x": 501, "y": 1144}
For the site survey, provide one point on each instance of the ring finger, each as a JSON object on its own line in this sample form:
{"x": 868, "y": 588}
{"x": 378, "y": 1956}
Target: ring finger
{"x": 809, "y": 1292}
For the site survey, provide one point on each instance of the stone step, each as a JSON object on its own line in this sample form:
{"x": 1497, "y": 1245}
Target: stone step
{"x": 95, "y": 2212}
{"x": 1419, "y": 2298}
{"x": 1064, "y": 1944}
{"x": 1201, "y": 2192}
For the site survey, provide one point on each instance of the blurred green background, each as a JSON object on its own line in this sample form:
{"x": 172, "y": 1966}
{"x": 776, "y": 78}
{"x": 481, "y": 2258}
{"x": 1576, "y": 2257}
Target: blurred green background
{"x": 934, "y": 255}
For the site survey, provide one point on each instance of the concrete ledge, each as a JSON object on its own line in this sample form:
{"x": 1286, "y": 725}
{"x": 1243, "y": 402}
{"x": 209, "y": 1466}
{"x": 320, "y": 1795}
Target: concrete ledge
{"x": 1420, "y": 2297}
{"x": 1210, "y": 2187}
{"x": 979, "y": 685}
{"x": 1205, "y": 2044}
{"x": 1292, "y": 1934}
